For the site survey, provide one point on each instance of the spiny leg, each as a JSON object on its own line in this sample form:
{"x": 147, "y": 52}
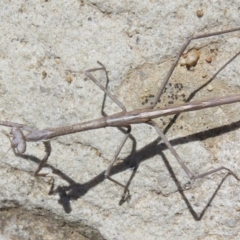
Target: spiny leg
{"x": 185, "y": 168}
{"x": 114, "y": 99}
{"x": 182, "y": 49}
{"x": 18, "y": 142}
{"x": 48, "y": 149}
{"x": 108, "y": 171}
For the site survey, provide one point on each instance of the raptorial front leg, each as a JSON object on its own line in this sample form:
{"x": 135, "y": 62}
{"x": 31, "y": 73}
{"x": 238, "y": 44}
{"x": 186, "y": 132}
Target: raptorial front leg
{"x": 114, "y": 99}
{"x": 18, "y": 144}
{"x": 108, "y": 171}
{"x": 179, "y": 159}
{"x": 17, "y": 140}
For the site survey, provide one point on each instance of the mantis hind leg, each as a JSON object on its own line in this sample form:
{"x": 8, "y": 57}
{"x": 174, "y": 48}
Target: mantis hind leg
{"x": 181, "y": 51}
{"x": 181, "y": 162}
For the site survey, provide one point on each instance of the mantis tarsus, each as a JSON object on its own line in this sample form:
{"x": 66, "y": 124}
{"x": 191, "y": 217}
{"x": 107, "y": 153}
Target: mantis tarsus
{"x": 22, "y": 133}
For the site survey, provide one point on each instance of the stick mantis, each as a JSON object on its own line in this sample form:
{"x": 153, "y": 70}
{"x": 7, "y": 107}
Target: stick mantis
{"x": 21, "y": 134}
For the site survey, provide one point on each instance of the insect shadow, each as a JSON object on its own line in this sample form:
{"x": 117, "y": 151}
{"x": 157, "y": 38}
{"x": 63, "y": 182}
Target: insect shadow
{"x": 125, "y": 119}
{"x": 76, "y": 190}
